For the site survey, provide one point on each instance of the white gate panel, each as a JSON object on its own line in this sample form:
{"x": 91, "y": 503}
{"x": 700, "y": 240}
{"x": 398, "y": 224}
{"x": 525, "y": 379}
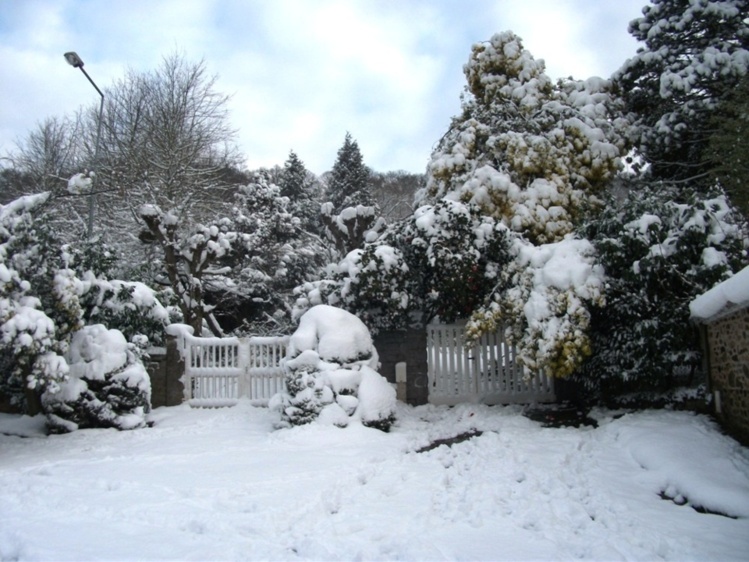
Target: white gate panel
{"x": 486, "y": 373}
{"x": 220, "y": 371}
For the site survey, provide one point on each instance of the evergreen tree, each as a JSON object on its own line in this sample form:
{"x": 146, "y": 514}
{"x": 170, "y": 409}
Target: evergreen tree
{"x": 661, "y": 248}
{"x": 694, "y": 54}
{"x": 300, "y": 187}
{"x": 727, "y": 152}
{"x": 273, "y": 254}
{"x": 528, "y": 152}
{"x": 348, "y": 185}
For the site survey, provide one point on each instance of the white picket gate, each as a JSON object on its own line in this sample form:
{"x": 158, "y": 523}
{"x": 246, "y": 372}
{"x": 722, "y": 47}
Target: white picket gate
{"x": 486, "y": 373}
{"x": 219, "y": 371}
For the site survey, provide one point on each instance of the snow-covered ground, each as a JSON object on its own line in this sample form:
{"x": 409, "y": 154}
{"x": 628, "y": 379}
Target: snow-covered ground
{"x": 222, "y": 484}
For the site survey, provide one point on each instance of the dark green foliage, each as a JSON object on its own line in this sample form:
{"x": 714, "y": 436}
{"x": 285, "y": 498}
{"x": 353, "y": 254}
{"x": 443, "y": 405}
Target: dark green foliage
{"x": 727, "y": 152}
{"x": 661, "y": 247}
{"x": 694, "y": 54}
{"x": 349, "y": 179}
{"x": 101, "y": 405}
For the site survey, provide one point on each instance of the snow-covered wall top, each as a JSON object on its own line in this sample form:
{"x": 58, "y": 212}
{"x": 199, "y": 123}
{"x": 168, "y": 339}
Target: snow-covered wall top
{"x": 725, "y": 297}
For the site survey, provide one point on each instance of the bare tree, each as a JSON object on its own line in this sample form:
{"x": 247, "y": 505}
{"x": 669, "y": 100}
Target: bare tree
{"x": 165, "y": 141}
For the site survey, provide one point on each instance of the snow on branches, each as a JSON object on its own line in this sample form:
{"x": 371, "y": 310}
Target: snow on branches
{"x": 528, "y": 152}
{"x": 693, "y": 55}
{"x": 188, "y": 258}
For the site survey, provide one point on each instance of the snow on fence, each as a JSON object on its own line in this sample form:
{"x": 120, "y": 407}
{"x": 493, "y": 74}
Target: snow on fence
{"x": 219, "y": 371}
{"x": 487, "y": 372}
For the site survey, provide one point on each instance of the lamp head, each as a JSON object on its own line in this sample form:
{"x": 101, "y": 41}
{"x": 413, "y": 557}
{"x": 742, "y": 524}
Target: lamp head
{"x": 73, "y": 59}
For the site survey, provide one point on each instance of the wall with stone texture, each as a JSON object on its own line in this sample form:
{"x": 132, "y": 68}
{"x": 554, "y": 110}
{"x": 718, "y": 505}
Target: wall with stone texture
{"x": 728, "y": 344}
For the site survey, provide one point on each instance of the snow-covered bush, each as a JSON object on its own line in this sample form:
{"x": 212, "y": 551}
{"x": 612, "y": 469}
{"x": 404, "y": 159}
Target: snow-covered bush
{"x": 543, "y": 299}
{"x": 332, "y": 373}
{"x": 38, "y": 302}
{"x": 130, "y": 307}
{"x": 107, "y": 385}
{"x": 660, "y": 248}
{"x": 352, "y": 227}
{"x": 441, "y": 261}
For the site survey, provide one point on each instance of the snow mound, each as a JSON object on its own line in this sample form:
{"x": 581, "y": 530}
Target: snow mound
{"x": 336, "y": 335}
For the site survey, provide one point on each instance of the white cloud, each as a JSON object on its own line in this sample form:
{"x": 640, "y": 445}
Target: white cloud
{"x": 300, "y": 73}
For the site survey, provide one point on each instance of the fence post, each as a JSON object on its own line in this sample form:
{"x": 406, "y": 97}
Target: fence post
{"x": 243, "y": 356}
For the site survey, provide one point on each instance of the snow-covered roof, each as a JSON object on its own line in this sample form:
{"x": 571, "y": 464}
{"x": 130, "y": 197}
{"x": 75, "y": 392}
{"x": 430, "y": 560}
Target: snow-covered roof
{"x": 723, "y": 299}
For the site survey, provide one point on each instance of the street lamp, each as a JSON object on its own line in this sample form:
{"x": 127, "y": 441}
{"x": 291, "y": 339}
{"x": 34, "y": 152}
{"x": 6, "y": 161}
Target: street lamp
{"x": 75, "y": 61}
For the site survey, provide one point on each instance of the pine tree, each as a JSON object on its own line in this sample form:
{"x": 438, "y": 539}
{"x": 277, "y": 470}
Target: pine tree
{"x": 300, "y": 187}
{"x": 349, "y": 179}
{"x": 694, "y": 54}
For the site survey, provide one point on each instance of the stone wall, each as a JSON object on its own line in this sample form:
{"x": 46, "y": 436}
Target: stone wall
{"x": 728, "y": 344}
{"x": 410, "y": 347}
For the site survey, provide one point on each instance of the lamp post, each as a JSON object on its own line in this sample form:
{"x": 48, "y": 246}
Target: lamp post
{"x": 75, "y": 61}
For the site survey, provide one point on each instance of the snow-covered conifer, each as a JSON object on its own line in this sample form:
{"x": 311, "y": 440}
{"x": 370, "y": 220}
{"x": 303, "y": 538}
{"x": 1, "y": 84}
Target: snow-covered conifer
{"x": 693, "y": 54}
{"x": 273, "y": 254}
{"x": 348, "y": 185}
{"x": 660, "y": 248}
{"x": 303, "y": 191}
{"x": 528, "y": 152}
{"x": 107, "y": 385}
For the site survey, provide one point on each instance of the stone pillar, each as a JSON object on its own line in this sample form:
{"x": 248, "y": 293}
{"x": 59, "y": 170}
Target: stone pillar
{"x": 174, "y": 369}
{"x": 410, "y": 347}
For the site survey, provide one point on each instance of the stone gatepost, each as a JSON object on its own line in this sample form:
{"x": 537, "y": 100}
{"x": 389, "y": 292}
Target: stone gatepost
{"x": 409, "y": 347}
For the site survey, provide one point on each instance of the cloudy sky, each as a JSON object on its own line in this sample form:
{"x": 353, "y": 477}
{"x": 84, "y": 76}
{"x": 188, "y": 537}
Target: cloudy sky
{"x": 301, "y": 73}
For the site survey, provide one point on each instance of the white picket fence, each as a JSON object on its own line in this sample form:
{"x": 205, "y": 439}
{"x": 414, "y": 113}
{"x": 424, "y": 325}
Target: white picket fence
{"x": 486, "y": 373}
{"x": 220, "y": 371}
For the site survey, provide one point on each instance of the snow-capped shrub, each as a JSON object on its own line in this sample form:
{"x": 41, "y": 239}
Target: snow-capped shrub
{"x": 130, "y": 307}
{"x": 441, "y": 261}
{"x": 107, "y": 386}
{"x": 543, "y": 299}
{"x": 660, "y": 247}
{"x": 331, "y": 373}
{"x": 38, "y": 301}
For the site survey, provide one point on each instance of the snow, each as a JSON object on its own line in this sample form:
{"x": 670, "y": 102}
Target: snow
{"x": 96, "y": 351}
{"x": 335, "y": 334}
{"x": 222, "y": 484}
{"x": 724, "y": 297}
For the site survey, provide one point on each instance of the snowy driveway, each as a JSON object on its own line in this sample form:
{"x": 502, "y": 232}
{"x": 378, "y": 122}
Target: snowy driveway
{"x": 223, "y": 485}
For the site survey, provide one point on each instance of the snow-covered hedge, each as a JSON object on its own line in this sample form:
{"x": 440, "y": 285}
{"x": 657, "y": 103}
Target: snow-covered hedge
{"x": 107, "y": 385}
{"x": 332, "y": 374}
